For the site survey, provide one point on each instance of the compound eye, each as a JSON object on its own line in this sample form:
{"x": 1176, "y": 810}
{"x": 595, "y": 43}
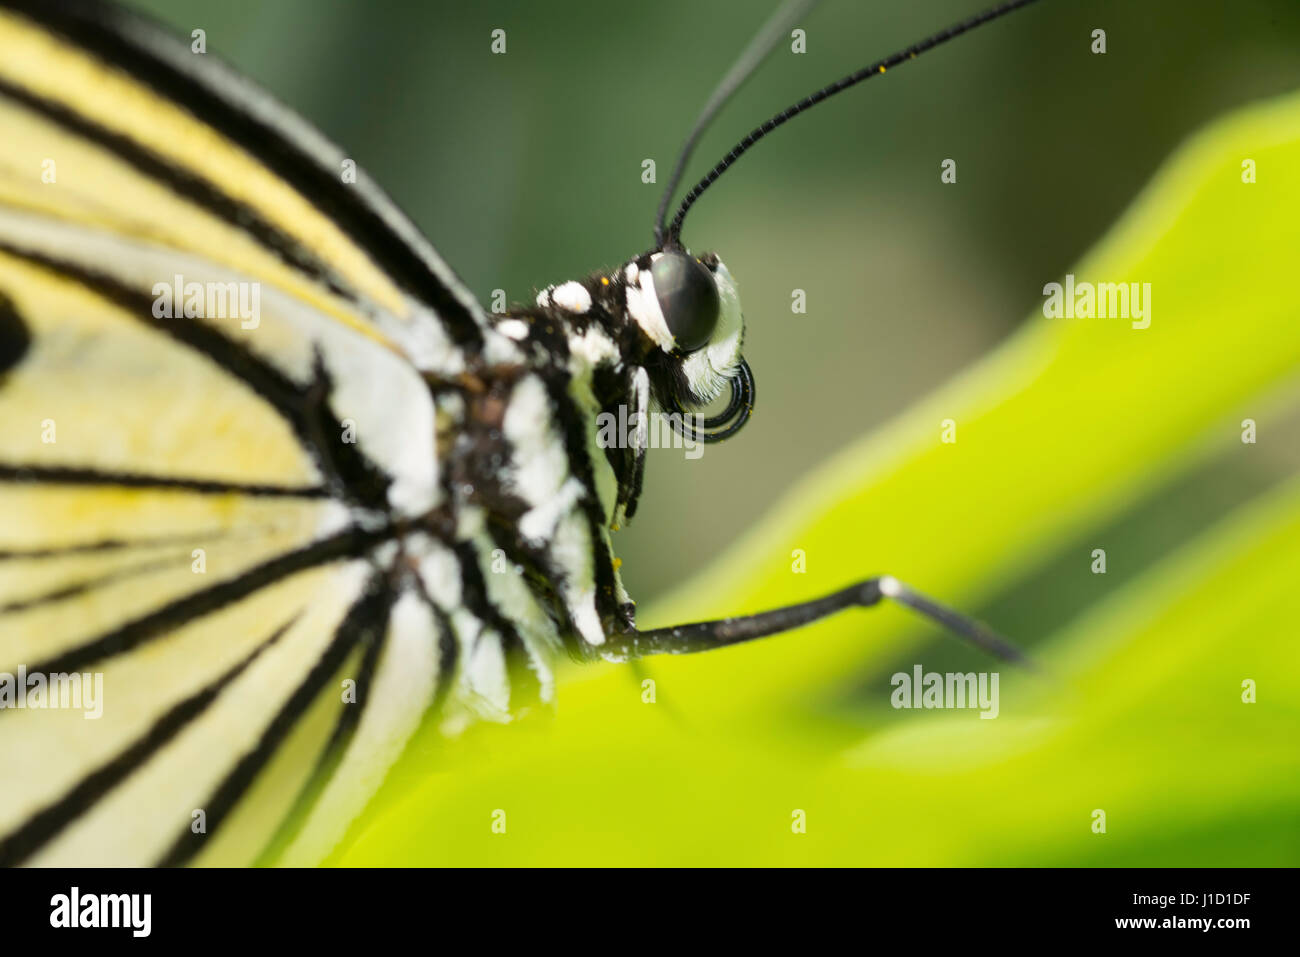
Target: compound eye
{"x": 688, "y": 298}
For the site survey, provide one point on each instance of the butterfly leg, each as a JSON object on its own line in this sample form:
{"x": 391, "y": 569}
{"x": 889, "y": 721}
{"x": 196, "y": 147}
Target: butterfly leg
{"x": 706, "y": 635}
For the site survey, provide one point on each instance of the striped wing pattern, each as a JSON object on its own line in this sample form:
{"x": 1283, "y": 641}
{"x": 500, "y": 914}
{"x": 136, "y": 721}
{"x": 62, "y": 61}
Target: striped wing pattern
{"x": 280, "y": 541}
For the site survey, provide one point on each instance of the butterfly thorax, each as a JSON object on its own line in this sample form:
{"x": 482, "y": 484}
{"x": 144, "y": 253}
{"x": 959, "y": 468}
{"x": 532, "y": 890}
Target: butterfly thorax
{"x": 529, "y": 445}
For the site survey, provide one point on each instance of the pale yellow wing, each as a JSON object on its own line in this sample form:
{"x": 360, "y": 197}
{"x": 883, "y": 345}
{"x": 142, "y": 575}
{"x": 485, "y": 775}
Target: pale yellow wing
{"x": 197, "y": 510}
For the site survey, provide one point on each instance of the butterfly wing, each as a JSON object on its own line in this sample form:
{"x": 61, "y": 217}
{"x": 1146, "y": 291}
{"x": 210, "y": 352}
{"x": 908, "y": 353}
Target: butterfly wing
{"x": 195, "y": 508}
{"x": 111, "y": 121}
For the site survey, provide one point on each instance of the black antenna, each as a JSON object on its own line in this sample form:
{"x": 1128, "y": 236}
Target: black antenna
{"x": 786, "y": 16}
{"x": 675, "y": 230}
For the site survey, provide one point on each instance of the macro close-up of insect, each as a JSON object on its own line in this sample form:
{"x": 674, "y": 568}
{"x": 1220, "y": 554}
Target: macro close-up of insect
{"x": 319, "y": 544}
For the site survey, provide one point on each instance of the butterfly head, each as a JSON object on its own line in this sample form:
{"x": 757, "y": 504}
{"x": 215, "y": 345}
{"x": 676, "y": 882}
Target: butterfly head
{"x": 671, "y": 318}
{"x": 686, "y": 312}
{"x": 661, "y": 333}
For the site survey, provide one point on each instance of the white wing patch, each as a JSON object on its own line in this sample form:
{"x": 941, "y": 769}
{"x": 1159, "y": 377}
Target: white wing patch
{"x": 593, "y": 347}
{"x": 572, "y": 296}
{"x": 541, "y": 464}
{"x": 516, "y": 329}
{"x": 543, "y": 481}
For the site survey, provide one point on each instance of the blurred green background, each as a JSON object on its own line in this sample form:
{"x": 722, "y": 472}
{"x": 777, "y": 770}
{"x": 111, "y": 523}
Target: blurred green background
{"x": 524, "y": 169}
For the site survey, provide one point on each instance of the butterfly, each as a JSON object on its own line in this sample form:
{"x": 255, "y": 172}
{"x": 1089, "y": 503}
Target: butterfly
{"x": 275, "y": 487}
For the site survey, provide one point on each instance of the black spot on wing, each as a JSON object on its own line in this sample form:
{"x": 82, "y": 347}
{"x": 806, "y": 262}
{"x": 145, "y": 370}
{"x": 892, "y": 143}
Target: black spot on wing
{"x": 15, "y": 337}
